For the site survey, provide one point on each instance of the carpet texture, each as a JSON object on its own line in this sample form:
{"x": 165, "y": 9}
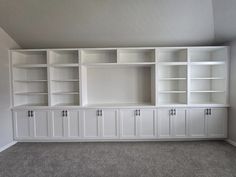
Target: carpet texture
{"x": 137, "y": 159}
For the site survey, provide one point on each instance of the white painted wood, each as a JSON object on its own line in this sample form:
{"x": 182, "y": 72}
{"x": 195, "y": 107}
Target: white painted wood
{"x": 217, "y": 123}
{"x": 41, "y": 123}
{"x": 147, "y": 124}
{"x": 109, "y": 124}
{"x": 180, "y": 123}
{"x": 8, "y": 146}
{"x": 128, "y": 124}
{"x": 91, "y": 126}
{"x": 58, "y": 124}
{"x": 74, "y": 124}
{"x": 197, "y": 122}
{"x": 164, "y": 123}
{"x": 22, "y": 125}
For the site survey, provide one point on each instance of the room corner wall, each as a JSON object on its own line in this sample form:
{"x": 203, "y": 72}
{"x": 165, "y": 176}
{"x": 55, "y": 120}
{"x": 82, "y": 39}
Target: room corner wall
{"x": 6, "y": 130}
{"x": 232, "y": 110}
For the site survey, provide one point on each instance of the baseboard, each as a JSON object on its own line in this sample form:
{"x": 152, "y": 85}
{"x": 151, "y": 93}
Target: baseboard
{"x": 231, "y": 142}
{"x": 7, "y": 146}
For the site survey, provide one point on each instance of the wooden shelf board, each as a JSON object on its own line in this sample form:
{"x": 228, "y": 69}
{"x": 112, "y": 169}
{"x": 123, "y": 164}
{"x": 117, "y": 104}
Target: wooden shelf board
{"x": 207, "y": 91}
{"x": 66, "y": 80}
{"x": 30, "y": 93}
{"x": 208, "y": 78}
{"x": 173, "y": 63}
{"x": 30, "y": 65}
{"x": 170, "y": 91}
{"x": 65, "y": 65}
{"x": 172, "y": 78}
{"x": 65, "y": 93}
{"x": 208, "y": 63}
{"x": 30, "y": 80}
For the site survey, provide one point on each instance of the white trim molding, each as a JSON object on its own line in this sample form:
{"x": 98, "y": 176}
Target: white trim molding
{"x": 8, "y": 146}
{"x": 231, "y": 142}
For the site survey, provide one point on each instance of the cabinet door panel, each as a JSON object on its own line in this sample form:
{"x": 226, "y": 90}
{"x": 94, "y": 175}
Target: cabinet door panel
{"x": 22, "y": 124}
{"x": 217, "y": 122}
{"x": 180, "y": 123}
{"x": 147, "y": 123}
{"x": 41, "y": 124}
{"x": 91, "y": 123}
{"x": 57, "y": 124}
{"x": 73, "y": 124}
{"x": 197, "y": 126}
{"x": 164, "y": 123}
{"x": 110, "y": 123}
{"x": 128, "y": 123}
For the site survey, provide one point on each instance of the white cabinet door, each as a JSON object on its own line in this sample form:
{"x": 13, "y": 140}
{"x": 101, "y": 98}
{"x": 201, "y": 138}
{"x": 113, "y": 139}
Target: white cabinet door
{"x": 74, "y": 124}
{"x": 197, "y": 123}
{"x": 179, "y": 123}
{"x": 217, "y": 123}
{"x": 22, "y": 125}
{"x": 128, "y": 124}
{"x": 109, "y": 124}
{"x": 41, "y": 124}
{"x": 147, "y": 123}
{"x": 91, "y": 124}
{"x": 58, "y": 124}
{"x": 164, "y": 123}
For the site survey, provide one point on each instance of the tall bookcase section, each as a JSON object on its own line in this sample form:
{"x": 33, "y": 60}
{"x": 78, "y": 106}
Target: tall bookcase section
{"x": 172, "y": 76}
{"x": 118, "y": 77}
{"x": 208, "y": 81}
{"x": 29, "y": 77}
{"x": 64, "y": 77}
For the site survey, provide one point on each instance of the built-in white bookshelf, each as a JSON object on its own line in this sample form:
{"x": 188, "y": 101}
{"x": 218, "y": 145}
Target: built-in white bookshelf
{"x": 29, "y": 72}
{"x": 120, "y": 76}
{"x": 64, "y": 77}
{"x": 208, "y": 75}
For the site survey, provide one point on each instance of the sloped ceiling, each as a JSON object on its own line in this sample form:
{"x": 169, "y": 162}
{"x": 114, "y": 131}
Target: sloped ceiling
{"x": 107, "y": 23}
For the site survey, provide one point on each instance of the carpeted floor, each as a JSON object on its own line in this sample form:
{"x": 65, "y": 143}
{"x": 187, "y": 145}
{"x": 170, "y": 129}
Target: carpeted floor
{"x": 146, "y": 159}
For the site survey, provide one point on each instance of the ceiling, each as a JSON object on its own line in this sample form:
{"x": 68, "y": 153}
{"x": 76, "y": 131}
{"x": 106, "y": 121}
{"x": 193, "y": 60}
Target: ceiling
{"x": 107, "y": 23}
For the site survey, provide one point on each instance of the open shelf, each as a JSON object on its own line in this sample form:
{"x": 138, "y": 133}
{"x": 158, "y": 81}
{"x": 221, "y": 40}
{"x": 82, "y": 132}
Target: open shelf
{"x": 120, "y": 85}
{"x": 174, "y": 55}
{"x": 172, "y": 98}
{"x": 31, "y": 100}
{"x": 208, "y": 98}
{"x": 89, "y": 56}
{"x": 170, "y": 71}
{"x": 136, "y": 55}
{"x": 29, "y": 58}
{"x": 217, "y": 54}
{"x": 65, "y": 100}
{"x": 63, "y": 57}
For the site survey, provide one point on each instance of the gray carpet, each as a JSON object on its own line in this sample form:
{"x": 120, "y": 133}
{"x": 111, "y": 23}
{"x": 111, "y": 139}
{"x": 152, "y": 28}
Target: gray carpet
{"x": 146, "y": 159}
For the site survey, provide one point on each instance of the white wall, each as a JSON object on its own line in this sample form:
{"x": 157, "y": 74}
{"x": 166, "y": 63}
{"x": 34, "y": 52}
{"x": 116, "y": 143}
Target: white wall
{"x": 232, "y": 112}
{"x": 6, "y": 43}
{"x": 107, "y": 23}
{"x": 224, "y": 20}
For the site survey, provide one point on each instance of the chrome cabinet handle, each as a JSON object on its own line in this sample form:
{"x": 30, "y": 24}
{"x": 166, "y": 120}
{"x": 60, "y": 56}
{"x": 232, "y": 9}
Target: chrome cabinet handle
{"x": 31, "y": 113}
{"x": 28, "y": 113}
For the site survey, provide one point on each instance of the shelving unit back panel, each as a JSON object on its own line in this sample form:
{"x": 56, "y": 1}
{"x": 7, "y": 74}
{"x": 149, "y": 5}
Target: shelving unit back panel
{"x": 39, "y": 100}
{"x": 98, "y": 56}
{"x": 208, "y": 98}
{"x": 208, "y": 54}
{"x": 172, "y": 55}
{"x": 119, "y": 85}
{"x": 65, "y": 100}
{"x": 173, "y": 85}
{"x": 29, "y": 57}
{"x": 172, "y": 98}
{"x": 30, "y": 87}
{"x": 64, "y": 57}
{"x": 177, "y": 71}
{"x": 30, "y": 73}
{"x": 65, "y": 86}
{"x": 65, "y": 73}
{"x": 136, "y": 55}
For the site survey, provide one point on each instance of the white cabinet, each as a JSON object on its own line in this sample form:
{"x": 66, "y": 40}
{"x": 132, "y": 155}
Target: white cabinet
{"x": 58, "y": 124}
{"x": 91, "y": 123}
{"x": 41, "y": 123}
{"x": 22, "y": 124}
{"x": 217, "y": 123}
{"x": 137, "y": 123}
{"x": 172, "y": 123}
{"x": 100, "y": 124}
{"x": 109, "y": 123}
{"x": 66, "y": 124}
{"x": 208, "y": 123}
{"x": 197, "y": 123}
{"x": 31, "y": 124}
